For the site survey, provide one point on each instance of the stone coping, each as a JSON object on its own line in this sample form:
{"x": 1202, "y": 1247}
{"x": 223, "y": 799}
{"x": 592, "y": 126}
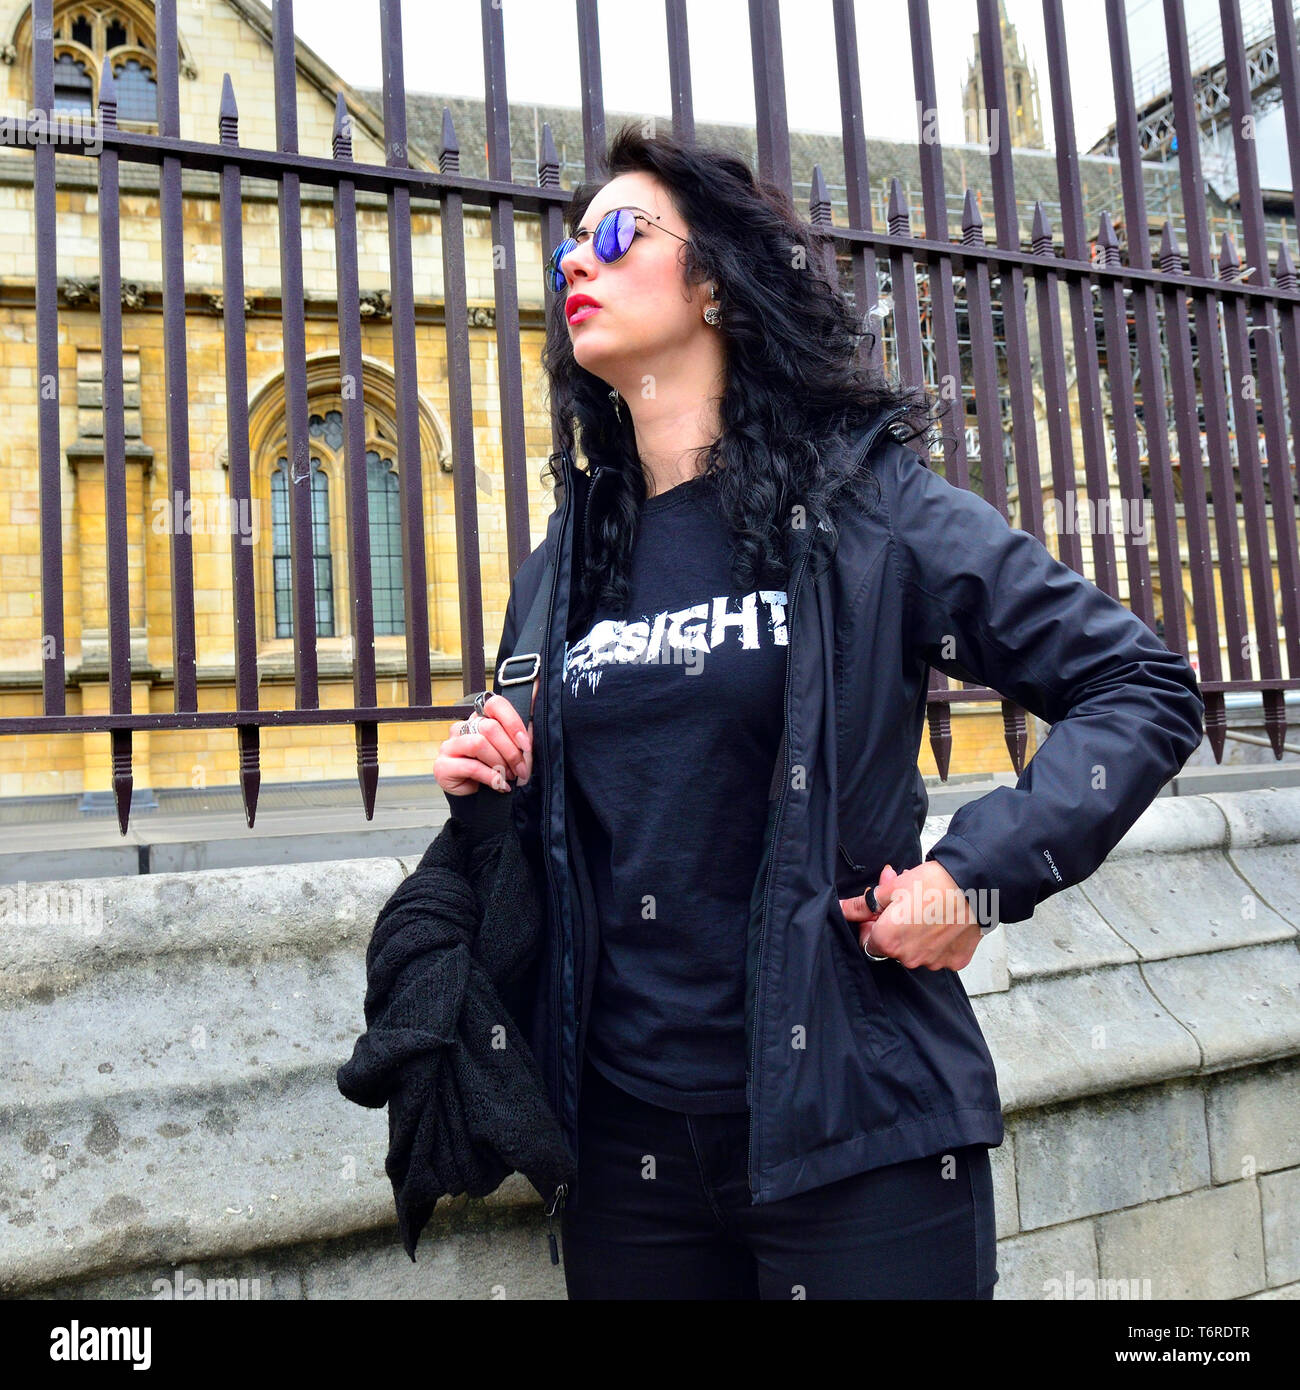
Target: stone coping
{"x": 175, "y": 1037}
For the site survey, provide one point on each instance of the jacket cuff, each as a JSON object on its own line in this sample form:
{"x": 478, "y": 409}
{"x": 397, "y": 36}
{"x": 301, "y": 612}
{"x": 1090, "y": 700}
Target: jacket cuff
{"x": 971, "y": 873}
{"x": 483, "y": 812}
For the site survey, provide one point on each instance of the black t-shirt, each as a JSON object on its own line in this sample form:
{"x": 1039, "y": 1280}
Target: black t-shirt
{"x": 672, "y": 718}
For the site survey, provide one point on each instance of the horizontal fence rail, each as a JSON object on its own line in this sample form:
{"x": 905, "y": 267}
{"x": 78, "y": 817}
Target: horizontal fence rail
{"x": 1186, "y": 362}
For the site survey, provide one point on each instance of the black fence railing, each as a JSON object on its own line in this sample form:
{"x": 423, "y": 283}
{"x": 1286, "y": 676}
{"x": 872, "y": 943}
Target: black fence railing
{"x": 1186, "y": 354}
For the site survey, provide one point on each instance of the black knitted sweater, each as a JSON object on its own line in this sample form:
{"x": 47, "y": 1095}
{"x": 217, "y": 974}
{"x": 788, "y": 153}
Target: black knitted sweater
{"x": 449, "y": 971}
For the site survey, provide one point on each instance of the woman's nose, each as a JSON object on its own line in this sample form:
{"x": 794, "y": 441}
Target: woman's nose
{"x": 576, "y": 265}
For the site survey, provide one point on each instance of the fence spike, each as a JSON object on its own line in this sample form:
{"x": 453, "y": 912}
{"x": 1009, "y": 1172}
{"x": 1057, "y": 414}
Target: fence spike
{"x": 972, "y": 220}
{"x": 122, "y": 778}
{"x": 548, "y": 167}
{"x": 1016, "y": 732}
{"x": 1171, "y": 258}
{"x": 449, "y": 145}
{"x": 1275, "y": 719}
{"x": 1229, "y": 261}
{"x": 819, "y": 202}
{"x": 228, "y": 116}
{"x": 1040, "y": 235}
{"x": 250, "y": 769}
{"x": 368, "y": 763}
{"x": 1106, "y": 237}
{"x": 108, "y": 104}
{"x": 1216, "y": 722}
{"x": 1107, "y": 241}
{"x": 897, "y": 215}
{"x": 939, "y": 717}
{"x": 342, "y": 136}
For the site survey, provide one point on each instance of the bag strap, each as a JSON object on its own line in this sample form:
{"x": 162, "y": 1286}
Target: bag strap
{"x": 514, "y": 677}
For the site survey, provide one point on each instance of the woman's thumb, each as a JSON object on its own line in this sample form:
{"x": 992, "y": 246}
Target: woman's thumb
{"x": 885, "y": 884}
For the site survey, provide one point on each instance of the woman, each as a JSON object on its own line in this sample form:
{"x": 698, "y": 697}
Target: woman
{"x": 757, "y": 1111}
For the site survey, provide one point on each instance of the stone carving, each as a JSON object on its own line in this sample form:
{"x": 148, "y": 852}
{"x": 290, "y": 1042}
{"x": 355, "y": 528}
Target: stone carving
{"x": 83, "y": 292}
{"x": 77, "y": 292}
{"x": 216, "y": 302}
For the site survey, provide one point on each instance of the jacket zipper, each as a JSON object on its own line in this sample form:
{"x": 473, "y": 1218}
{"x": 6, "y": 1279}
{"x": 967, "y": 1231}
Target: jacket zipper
{"x": 586, "y": 511}
{"x": 792, "y": 597}
{"x": 560, "y": 1193}
{"x": 557, "y": 1054}
{"x": 771, "y": 861}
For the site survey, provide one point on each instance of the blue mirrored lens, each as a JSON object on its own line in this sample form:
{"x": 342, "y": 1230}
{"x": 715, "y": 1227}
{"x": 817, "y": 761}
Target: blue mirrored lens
{"x": 614, "y": 234}
{"x": 555, "y": 275}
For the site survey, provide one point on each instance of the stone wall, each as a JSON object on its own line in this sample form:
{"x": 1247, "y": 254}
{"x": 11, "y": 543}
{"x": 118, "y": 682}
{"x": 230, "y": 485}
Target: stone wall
{"x": 174, "y": 1114}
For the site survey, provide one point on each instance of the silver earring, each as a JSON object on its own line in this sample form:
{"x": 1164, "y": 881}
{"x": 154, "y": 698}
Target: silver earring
{"x": 618, "y": 415}
{"x": 713, "y": 315}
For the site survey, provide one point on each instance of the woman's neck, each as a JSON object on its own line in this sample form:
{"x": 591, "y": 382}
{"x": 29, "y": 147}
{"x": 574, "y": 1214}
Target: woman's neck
{"x": 671, "y": 437}
{"x": 675, "y": 400}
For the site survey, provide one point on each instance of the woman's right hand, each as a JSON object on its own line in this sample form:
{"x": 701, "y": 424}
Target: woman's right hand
{"x": 501, "y": 748}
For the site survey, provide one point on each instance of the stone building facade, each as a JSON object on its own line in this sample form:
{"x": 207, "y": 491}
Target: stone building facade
{"x": 221, "y": 37}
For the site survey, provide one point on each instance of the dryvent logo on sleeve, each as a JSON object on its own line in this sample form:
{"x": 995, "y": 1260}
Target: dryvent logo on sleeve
{"x": 679, "y": 637}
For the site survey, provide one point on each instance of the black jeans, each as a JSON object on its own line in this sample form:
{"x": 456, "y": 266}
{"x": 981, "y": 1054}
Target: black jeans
{"x": 665, "y": 1212}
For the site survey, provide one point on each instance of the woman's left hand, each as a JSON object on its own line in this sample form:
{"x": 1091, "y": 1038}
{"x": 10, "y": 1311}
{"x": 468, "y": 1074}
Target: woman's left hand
{"x": 924, "y": 918}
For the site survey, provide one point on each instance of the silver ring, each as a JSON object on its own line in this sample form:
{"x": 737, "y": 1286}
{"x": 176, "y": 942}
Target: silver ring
{"x": 868, "y": 954}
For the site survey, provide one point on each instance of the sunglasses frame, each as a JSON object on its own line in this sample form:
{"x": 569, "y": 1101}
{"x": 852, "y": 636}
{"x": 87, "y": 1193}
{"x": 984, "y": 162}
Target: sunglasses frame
{"x": 558, "y": 281}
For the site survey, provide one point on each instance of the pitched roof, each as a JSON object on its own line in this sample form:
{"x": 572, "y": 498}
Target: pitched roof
{"x": 964, "y": 165}
{"x": 317, "y": 73}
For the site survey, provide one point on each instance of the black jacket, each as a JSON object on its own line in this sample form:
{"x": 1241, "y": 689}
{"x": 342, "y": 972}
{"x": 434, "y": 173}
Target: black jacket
{"x": 853, "y": 1063}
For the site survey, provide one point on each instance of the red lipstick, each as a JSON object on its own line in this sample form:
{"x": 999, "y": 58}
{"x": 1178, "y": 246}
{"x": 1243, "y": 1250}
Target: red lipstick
{"x": 580, "y": 306}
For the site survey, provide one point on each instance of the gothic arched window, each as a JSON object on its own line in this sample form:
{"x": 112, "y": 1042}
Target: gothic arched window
{"x": 325, "y": 431}
{"x": 322, "y": 559}
{"x": 90, "y": 33}
{"x": 137, "y": 92}
{"x": 74, "y": 88}
{"x": 385, "y": 544}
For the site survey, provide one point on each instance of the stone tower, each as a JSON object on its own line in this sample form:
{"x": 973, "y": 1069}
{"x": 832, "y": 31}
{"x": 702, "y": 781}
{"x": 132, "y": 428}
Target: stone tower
{"x": 1023, "y": 122}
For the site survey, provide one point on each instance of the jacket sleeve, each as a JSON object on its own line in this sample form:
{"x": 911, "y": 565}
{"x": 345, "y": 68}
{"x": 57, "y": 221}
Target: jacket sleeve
{"x": 1126, "y": 712}
{"x": 487, "y": 811}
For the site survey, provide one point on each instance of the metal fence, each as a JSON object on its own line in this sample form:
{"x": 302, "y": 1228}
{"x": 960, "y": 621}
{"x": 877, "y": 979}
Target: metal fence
{"x": 1211, "y": 344}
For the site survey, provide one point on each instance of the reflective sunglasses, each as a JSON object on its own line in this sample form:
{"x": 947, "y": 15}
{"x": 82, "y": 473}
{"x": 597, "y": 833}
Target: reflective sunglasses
{"x": 613, "y": 235}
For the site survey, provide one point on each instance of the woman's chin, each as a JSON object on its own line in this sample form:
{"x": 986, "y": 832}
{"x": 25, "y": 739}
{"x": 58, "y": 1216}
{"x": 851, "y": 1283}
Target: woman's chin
{"x": 590, "y": 354}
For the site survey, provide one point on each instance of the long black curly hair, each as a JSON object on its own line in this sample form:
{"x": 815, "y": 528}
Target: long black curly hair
{"x": 797, "y": 390}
